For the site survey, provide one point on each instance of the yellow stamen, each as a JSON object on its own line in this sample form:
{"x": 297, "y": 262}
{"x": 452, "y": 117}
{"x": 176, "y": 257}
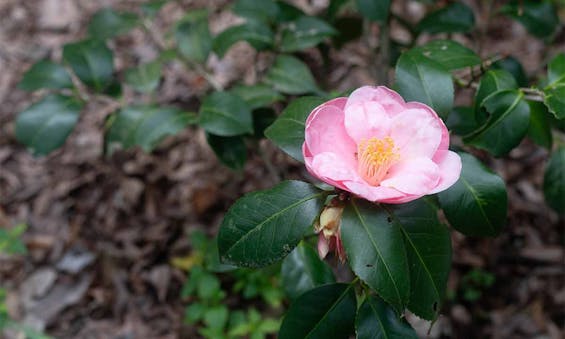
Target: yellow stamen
{"x": 375, "y": 157}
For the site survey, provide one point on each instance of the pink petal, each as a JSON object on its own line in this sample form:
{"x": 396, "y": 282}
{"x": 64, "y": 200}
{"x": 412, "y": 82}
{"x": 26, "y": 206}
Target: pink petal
{"x": 417, "y": 176}
{"x": 323, "y": 246}
{"x": 417, "y": 133}
{"x": 390, "y": 101}
{"x": 372, "y": 193}
{"x": 449, "y": 168}
{"x": 333, "y": 169}
{"x": 325, "y": 133}
{"x": 444, "y": 144}
{"x": 365, "y": 120}
{"x": 337, "y": 102}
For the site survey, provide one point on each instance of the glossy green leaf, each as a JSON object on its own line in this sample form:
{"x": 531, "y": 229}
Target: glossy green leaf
{"x": 258, "y": 95}
{"x": 150, "y": 9}
{"x": 376, "y": 251}
{"x": 257, "y": 34}
{"x": 287, "y": 132}
{"x": 556, "y": 70}
{"x": 514, "y": 67}
{"x": 291, "y": 76}
{"x": 264, "y": 10}
{"x": 455, "y": 17}
{"x": 476, "y": 204}
{"x": 231, "y": 151}
{"x": 92, "y": 61}
{"x": 306, "y": 31}
{"x": 107, "y": 23}
{"x": 193, "y": 37}
{"x": 264, "y": 226}
{"x": 45, "y": 74}
{"x": 461, "y": 120}
{"x": 450, "y": 54}
{"x": 539, "y": 17}
{"x": 421, "y": 79}
{"x": 145, "y": 126}
{"x": 225, "y": 114}
{"x": 302, "y": 270}
{"x": 507, "y": 124}
{"x": 325, "y": 312}
{"x": 376, "y": 320}
{"x": 428, "y": 244}
{"x": 288, "y": 12}
{"x": 554, "y": 99}
{"x": 540, "y": 129}
{"x": 45, "y": 125}
{"x": 374, "y": 10}
{"x": 144, "y": 78}
{"x": 491, "y": 82}
{"x": 554, "y": 181}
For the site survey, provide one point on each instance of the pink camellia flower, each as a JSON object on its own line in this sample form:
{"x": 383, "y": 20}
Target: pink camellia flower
{"x": 379, "y": 147}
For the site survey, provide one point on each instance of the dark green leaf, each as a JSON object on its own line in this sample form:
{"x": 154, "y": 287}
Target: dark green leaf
{"x": 305, "y": 32}
{"x": 287, "y": 132}
{"x": 513, "y": 66}
{"x": 45, "y": 74}
{"x": 257, "y": 34}
{"x": 539, "y": 17}
{"x": 291, "y": 76}
{"x": 193, "y": 37}
{"x": 374, "y": 10}
{"x": 491, "y": 82}
{"x": 334, "y": 8}
{"x": 507, "y": 124}
{"x": 263, "y": 227}
{"x": 554, "y": 99}
{"x": 421, "y": 79}
{"x": 225, "y": 114}
{"x": 325, "y": 312}
{"x": 264, "y": 10}
{"x": 554, "y": 181}
{"x": 462, "y": 121}
{"x": 231, "y": 151}
{"x": 144, "y": 78}
{"x": 257, "y": 95}
{"x": 556, "y": 70}
{"x": 288, "y": 12}
{"x": 150, "y": 9}
{"x": 455, "y": 17}
{"x": 145, "y": 126}
{"x": 376, "y": 251}
{"x": 107, "y": 23}
{"x": 92, "y": 61}
{"x": 303, "y": 270}
{"x": 376, "y": 320}
{"x": 540, "y": 129}
{"x": 262, "y": 118}
{"x": 476, "y": 204}
{"x": 428, "y": 245}
{"x": 45, "y": 125}
{"x": 450, "y": 54}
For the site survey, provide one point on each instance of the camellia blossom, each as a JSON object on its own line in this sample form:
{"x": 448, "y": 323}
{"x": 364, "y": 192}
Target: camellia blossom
{"x": 379, "y": 147}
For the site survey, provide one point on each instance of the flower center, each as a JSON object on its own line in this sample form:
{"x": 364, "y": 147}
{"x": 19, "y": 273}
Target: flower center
{"x": 375, "y": 157}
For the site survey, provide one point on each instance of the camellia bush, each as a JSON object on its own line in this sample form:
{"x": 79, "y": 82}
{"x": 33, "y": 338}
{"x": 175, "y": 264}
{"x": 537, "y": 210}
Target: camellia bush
{"x": 393, "y": 165}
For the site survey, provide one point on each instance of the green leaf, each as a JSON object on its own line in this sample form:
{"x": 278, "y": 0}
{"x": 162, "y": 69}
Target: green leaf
{"x": 421, "y": 79}
{"x": 45, "y": 74}
{"x": 491, "y": 82}
{"x": 264, "y": 226}
{"x": 306, "y": 31}
{"x": 193, "y": 37}
{"x": 231, "y": 151}
{"x": 554, "y": 181}
{"x": 287, "y": 132}
{"x": 376, "y": 320}
{"x": 193, "y": 313}
{"x": 540, "y": 129}
{"x": 507, "y": 124}
{"x": 554, "y": 99}
{"x": 45, "y": 125}
{"x": 455, "y": 17}
{"x": 539, "y": 17}
{"x": 514, "y": 67}
{"x": 450, "y": 54}
{"x": 216, "y": 317}
{"x": 225, "y": 114}
{"x": 556, "y": 70}
{"x": 476, "y": 204}
{"x": 92, "y": 61}
{"x": 107, "y": 23}
{"x": 258, "y": 95}
{"x": 11, "y": 243}
{"x": 264, "y": 10}
{"x": 288, "y": 12}
{"x": 144, "y": 78}
{"x": 145, "y": 126}
{"x": 262, "y": 118}
{"x": 374, "y": 10}
{"x": 428, "y": 244}
{"x": 291, "y": 76}
{"x": 462, "y": 121}
{"x": 150, "y": 9}
{"x": 303, "y": 270}
{"x": 376, "y": 251}
{"x": 256, "y": 33}
{"x": 325, "y": 312}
